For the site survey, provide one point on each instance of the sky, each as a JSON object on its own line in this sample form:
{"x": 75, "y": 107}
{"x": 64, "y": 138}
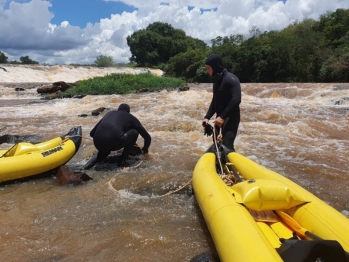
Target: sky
{"x": 78, "y": 31}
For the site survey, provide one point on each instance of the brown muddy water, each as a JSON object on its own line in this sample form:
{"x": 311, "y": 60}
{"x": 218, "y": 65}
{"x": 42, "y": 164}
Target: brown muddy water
{"x": 298, "y": 130}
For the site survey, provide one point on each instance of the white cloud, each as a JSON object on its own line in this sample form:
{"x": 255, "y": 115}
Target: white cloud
{"x": 26, "y": 28}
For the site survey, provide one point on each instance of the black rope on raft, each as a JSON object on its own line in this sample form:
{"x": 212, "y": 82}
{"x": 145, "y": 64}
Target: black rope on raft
{"x": 8, "y": 150}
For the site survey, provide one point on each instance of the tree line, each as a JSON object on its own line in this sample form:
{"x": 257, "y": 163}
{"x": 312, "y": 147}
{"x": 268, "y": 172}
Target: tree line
{"x": 22, "y": 59}
{"x": 305, "y": 51}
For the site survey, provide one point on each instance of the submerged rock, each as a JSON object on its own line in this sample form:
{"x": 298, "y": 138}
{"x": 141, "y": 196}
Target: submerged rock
{"x": 65, "y": 176}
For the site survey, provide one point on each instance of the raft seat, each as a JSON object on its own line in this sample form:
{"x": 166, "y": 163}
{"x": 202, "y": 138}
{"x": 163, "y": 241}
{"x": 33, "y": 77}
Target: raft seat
{"x": 21, "y": 149}
{"x": 272, "y": 226}
{"x": 270, "y": 234}
{"x": 281, "y": 230}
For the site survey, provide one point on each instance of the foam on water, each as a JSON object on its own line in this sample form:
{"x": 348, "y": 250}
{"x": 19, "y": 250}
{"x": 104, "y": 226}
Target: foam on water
{"x": 294, "y": 129}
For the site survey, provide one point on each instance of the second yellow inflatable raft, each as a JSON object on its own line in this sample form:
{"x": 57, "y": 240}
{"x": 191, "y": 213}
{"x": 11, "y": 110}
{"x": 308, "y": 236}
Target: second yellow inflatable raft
{"x": 249, "y": 220}
{"x": 26, "y": 159}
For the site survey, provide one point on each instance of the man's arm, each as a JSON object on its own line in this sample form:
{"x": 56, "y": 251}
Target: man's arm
{"x": 147, "y": 138}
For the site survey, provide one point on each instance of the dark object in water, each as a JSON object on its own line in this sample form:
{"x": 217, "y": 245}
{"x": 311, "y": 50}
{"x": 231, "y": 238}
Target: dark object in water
{"x": 14, "y": 139}
{"x": 204, "y": 257}
{"x": 65, "y": 176}
{"x": 98, "y": 111}
{"x": 136, "y": 150}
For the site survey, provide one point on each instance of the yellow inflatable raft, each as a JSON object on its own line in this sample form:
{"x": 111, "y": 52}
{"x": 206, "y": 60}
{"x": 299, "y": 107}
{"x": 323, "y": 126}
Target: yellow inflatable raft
{"x": 251, "y": 219}
{"x": 26, "y": 159}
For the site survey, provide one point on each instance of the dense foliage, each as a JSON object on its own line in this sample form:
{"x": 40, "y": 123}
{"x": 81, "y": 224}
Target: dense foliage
{"x": 3, "y": 58}
{"x": 156, "y": 44}
{"x": 104, "y": 61}
{"x": 23, "y": 60}
{"x": 124, "y": 84}
{"x": 26, "y": 60}
{"x": 306, "y": 51}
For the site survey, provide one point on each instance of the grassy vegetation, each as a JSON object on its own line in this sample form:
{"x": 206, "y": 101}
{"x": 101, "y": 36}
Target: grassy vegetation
{"x": 124, "y": 84}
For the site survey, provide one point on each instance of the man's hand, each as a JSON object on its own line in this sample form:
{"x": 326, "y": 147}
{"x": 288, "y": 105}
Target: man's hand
{"x": 218, "y": 122}
{"x": 205, "y": 122}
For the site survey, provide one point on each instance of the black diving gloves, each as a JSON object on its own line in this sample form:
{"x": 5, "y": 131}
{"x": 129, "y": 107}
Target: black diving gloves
{"x": 208, "y": 130}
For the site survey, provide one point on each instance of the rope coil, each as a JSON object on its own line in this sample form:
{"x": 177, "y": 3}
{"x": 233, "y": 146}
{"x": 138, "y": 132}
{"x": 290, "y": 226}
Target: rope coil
{"x": 228, "y": 173}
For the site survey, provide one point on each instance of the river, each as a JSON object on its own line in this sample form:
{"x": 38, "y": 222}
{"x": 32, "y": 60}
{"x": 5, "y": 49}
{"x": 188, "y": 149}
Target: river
{"x": 299, "y": 130}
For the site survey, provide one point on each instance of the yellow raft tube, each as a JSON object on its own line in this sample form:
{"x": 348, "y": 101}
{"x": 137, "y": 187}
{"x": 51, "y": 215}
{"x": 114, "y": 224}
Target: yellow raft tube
{"x": 26, "y": 159}
{"x": 232, "y": 212}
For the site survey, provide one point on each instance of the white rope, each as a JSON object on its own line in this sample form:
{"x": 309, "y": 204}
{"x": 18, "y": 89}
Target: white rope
{"x": 216, "y": 144}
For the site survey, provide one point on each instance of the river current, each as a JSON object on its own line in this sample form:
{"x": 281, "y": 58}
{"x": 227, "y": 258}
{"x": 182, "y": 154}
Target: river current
{"x": 298, "y": 130}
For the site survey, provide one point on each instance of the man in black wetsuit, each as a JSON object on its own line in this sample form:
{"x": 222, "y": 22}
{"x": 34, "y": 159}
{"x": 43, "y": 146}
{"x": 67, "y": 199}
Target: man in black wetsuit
{"x": 225, "y": 101}
{"x": 116, "y": 130}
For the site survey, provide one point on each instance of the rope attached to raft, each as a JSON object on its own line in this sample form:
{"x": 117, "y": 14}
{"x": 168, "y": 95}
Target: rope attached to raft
{"x": 227, "y": 174}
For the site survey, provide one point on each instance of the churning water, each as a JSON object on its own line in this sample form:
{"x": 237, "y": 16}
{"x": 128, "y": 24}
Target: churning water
{"x": 298, "y": 130}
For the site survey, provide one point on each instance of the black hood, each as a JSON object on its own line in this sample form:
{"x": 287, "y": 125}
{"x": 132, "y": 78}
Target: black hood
{"x": 216, "y": 63}
{"x": 124, "y": 107}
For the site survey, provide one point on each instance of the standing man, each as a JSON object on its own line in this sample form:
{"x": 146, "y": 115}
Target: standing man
{"x": 116, "y": 130}
{"x": 225, "y": 101}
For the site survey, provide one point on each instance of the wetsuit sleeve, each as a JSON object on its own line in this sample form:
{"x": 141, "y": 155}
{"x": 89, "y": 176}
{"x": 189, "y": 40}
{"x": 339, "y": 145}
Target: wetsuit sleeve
{"x": 146, "y": 136}
{"x": 233, "y": 84}
{"x": 210, "y": 110}
{"x": 92, "y": 133}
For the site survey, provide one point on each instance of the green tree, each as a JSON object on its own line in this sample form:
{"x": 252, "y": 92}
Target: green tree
{"x": 188, "y": 65}
{"x": 309, "y": 50}
{"x": 304, "y": 51}
{"x": 3, "y": 58}
{"x": 280, "y": 58}
{"x": 227, "y": 47}
{"x": 26, "y": 60}
{"x": 104, "y": 61}
{"x": 336, "y": 67}
{"x": 334, "y": 26}
{"x": 143, "y": 46}
{"x": 254, "y": 31}
{"x": 252, "y": 59}
{"x": 156, "y": 44}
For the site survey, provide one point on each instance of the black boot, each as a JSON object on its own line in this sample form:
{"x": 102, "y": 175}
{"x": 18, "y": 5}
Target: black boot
{"x": 93, "y": 160}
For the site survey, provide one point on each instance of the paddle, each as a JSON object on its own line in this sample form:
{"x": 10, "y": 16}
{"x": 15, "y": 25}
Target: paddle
{"x": 301, "y": 231}
{"x": 294, "y": 225}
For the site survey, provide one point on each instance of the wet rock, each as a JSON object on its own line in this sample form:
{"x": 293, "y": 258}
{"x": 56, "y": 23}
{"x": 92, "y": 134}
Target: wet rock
{"x": 47, "y": 89}
{"x": 55, "y": 87}
{"x": 83, "y": 115}
{"x": 141, "y": 90}
{"x": 52, "y": 96}
{"x": 135, "y": 150}
{"x": 19, "y": 89}
{"x": 98, "y": 111}
{"x": 341, "y": 87}
{"x": 63, "y": 86}
{"x": 79, "y": 96}
{"x": 204, "y": 257}
{"x": 341, "y": 101}
{"x": 183, "y": 88}
{"x": 65, "y": 176}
